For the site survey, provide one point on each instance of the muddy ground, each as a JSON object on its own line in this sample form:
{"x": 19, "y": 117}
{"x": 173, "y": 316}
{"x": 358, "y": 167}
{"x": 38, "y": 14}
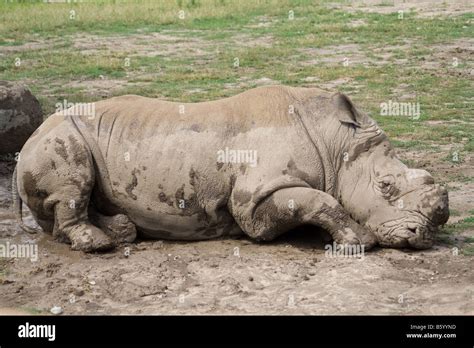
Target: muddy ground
{"x": 237, "y": 276}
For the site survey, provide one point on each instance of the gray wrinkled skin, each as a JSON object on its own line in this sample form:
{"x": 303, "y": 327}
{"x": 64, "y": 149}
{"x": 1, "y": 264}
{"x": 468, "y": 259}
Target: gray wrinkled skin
{"x": 148, "y": 166}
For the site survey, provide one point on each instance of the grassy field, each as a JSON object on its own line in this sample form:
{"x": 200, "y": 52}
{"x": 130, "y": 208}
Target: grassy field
{"x": 188, "y": 50}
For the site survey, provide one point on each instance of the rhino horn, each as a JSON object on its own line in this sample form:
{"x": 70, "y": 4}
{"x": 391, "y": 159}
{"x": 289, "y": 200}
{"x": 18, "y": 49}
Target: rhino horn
{"x": 419, "y": 177}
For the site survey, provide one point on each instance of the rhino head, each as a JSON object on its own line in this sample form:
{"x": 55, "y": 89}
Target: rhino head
{"x": 403, "y": 207}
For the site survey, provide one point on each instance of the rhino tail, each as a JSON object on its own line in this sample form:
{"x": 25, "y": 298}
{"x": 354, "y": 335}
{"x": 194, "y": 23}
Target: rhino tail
{"x": 17, "y": 205}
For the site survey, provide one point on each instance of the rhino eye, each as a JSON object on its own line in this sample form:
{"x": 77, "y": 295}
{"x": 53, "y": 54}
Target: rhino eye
{"x": 386, "y": 186}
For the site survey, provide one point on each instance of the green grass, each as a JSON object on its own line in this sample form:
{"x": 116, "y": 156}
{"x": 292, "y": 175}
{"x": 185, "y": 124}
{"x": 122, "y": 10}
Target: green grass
{"x": 467, "y": 223}
{"x": 33, "y": 310}
{"x": 460, "y": 177}
{"x": 453, "y": 212}
{"x": 221, "y": 29}
{"x": 449, "y": 235}
{"x": 468, "y": 250}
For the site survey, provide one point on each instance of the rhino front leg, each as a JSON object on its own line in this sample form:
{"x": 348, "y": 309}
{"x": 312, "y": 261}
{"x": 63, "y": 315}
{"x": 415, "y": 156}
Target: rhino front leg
{"x": 288, "y": 208}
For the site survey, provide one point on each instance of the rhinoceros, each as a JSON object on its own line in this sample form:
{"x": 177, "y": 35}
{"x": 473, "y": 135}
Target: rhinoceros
{"x": 259, "y": 163}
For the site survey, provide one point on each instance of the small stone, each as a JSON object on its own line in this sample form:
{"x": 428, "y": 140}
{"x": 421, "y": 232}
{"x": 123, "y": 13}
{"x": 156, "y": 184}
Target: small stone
{"x": 56, "y": 310}
{"x": 79, "y": 292}
{"x": 92, "y": 282}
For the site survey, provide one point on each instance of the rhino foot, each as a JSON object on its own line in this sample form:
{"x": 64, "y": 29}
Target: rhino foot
{"x": 118, "y": 227}
{"x": 355, "y": 234}
{"x": 369, "y": 240}
{"x": 89, "y": 238}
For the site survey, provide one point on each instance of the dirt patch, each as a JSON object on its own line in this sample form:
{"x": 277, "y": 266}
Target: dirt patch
{"x": 246, "y": 40}
{"x": 28, "y": 46}
{"x": 353, "y": 54}
{"x": 171, "y": 45}
{"x": 336, "y": 55}
{"x": 246, "y": 82}
{"x": 263, "y": 22}
{"x": 355, "y": 23}
{"x": 147, "y": 45}
{"x": 349, "y": 84}
{"x": 100, "y": 87}
{"x": 422, "y": 8}
{"x": 290, "y": 276}
{"x": 457, "y": 57}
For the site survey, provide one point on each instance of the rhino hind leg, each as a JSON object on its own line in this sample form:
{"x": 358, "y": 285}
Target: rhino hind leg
{"x": 56, "y": 177}
{"x": 289, "y": 208}
{"x": 72, "y": 221}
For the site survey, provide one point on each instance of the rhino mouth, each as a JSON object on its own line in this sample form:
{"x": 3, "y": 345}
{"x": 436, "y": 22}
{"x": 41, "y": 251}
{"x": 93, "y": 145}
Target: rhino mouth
{"x": 415, "y": 231}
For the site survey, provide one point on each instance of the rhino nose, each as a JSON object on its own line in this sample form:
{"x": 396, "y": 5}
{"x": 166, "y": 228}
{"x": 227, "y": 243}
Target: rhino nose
{"x": 423, "y": 238}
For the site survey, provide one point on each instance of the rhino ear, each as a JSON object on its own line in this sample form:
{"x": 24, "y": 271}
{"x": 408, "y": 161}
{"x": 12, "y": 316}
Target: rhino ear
{"x": 346, "y": 111}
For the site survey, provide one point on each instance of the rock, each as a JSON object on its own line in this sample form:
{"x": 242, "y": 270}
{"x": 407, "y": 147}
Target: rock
{"x": 56, "y": 310}
{"x": 20, "y": 115}
{"x": 158, "y": 244}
